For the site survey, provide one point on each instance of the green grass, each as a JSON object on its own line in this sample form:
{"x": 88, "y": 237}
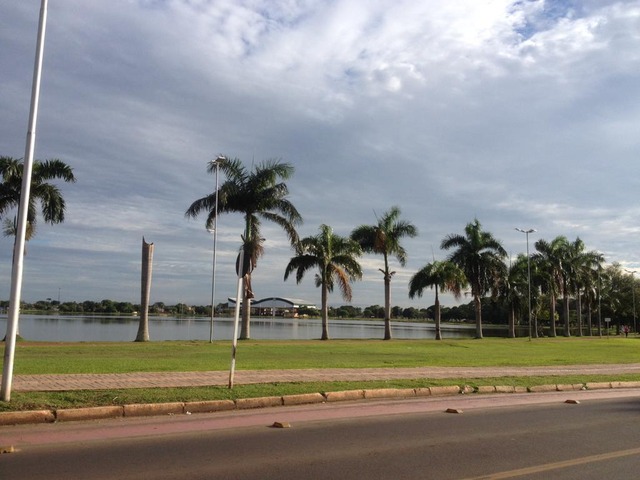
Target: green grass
{"x": 100, "y": 357}
{"x": 41, "y": 358}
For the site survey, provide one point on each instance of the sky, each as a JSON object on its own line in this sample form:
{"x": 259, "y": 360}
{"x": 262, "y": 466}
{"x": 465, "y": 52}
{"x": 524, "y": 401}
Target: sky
{"x": 518, "y": 113}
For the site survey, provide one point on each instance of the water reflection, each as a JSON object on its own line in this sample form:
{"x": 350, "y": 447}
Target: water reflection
{"x": 97, "y": 328}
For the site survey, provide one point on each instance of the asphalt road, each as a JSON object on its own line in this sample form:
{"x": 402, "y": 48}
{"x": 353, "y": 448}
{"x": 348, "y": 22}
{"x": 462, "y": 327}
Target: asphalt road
{"x": 493, "y": 436}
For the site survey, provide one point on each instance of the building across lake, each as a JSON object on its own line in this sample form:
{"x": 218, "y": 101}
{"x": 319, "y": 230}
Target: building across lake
{"x": 277, "y": 306}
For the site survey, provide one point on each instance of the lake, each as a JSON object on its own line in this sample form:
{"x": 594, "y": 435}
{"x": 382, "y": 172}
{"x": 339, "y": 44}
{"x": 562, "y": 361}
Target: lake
{"x": 103, "y": 328}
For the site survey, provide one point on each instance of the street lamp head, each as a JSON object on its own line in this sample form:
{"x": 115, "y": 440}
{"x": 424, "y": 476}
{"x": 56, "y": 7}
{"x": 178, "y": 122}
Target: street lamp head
{"x": 220, "y": 159}
{"x": 531, "y": 230}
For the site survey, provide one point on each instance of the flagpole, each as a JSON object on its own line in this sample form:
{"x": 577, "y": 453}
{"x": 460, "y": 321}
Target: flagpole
{"x": 18, "y": 249}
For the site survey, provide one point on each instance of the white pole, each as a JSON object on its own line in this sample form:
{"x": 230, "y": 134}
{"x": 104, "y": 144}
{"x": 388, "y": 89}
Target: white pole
{"x": 234, "y": 344}
{"x": 18, "y": 250}
{"x": 213, "y": 285}
{"x": 215, "y": 241}
{"x": 527, "y": 232}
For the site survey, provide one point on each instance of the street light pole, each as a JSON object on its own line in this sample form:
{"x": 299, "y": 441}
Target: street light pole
{"x": 633, "y": 293}
{"x": 216, "y": 162}
{"x": 599, "y": 301}
{"x": 527, "y": 232}
{"x": 18, "y": 250}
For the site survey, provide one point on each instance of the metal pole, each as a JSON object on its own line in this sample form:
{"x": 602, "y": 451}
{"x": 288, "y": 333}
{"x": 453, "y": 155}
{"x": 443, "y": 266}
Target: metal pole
{"x": 527, "y": 232}
{"x": 234, "y": 342}
{"x": 217, "y": 161}
{"x": 633, "y": 295}
{"x": 599, "y": 302}
{"x": 529, "y": 282}
{"x": 634, "y": 301}
{"x": 18, "y": 250}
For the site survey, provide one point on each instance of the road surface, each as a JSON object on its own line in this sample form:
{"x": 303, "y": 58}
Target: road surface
{"x": 491, "y": 437}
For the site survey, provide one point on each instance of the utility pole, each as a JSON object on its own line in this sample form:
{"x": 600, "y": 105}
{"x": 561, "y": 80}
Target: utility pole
{"x": 18, "y": 250}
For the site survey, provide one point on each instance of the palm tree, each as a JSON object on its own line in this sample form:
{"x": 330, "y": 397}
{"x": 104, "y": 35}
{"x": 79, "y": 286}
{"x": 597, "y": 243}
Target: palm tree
{"x": 335, "y": 257}
{"x": 47, "y": 195}
{"x": 585, "y": 272}
{"x": 549, "y": 263}
{"x": 444, "y": 276}
{"x": 613, "y": 284}
{"x": 480, "y": 256}
{"x": 384, "y": 238}
{"x": 514, "y": 290}
{"x": 572, "y": 253}
{"x": 259, "y": 195}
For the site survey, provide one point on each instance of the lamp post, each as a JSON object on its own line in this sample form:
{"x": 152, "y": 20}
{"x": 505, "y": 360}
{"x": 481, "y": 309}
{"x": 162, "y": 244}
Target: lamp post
{"x": 18, "y": 249}
{"x": 599, "y": 301}
{"x": 527, "y": 232}
{"x": 633, "y": 293}
{"x": 220, "y": 159}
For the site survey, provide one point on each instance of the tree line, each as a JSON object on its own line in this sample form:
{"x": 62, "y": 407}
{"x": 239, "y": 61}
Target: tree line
{"x": 559, "y": 289}
{"x": 108, "y": 307}
{"x": 476, "y": 263}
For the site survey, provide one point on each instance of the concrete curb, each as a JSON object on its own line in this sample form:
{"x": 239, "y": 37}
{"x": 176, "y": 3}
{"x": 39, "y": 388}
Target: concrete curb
{"x": 260, "y": 402}
{"x": 390, "y": 393}
{"x": 303, "y": 398}
{"x": 344, "y": 395}
{"x": 29, "y": 416}
{"x": 207, "y": 406}
{"x": 151, "y": 409}
{"x": 178, "y": 408}
{"x": 88, "y": 413}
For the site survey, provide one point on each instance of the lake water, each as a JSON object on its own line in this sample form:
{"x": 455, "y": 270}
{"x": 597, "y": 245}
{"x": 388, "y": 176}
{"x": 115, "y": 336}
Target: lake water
{"x": 75, "y": 328}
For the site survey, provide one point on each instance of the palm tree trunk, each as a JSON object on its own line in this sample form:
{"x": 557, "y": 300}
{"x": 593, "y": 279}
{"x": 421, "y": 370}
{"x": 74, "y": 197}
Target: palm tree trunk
{"x": 387, "y": 307}
{"x": 478, "y": 305}
{"x": 589, "y": 323}
{"x": 552, "y": 315}
{"x": 245, "y": 325}
{"x": 145, "y": 293}
{"x": 579, "y": 308}
{"x": 512, "y": 322}
{"x": 438, "y": 332}
{"x": 565, "y": 313}
{"x": 325, "y": 313}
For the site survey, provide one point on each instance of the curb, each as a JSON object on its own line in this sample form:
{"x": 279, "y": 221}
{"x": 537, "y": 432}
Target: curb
{"x": 211, "y": 406}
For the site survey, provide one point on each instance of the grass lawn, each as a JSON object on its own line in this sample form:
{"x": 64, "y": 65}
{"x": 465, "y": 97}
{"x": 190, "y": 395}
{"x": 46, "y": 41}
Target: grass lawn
{"x": 99, "y": 357}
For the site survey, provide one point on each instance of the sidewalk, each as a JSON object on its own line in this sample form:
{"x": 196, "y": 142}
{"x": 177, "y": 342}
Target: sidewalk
{"x": 196, "y": 379}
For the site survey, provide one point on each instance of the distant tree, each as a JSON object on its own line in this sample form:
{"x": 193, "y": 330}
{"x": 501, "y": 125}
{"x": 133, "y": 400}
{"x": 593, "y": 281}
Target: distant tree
{"x": 480, "y": 256}
{"x": 384, "y": 239}
{"x": 443, "y": 276}
{"x": 411, "y": 313}
{"x": 336, "y": 260}
{"x": 374, "y": 311}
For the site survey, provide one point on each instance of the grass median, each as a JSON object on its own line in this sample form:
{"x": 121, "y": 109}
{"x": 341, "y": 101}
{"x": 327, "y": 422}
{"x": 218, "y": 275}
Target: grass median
{"x": 100, "y": 357}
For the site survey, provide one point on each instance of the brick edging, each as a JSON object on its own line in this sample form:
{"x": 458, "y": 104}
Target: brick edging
{"x": 187, "y": 408}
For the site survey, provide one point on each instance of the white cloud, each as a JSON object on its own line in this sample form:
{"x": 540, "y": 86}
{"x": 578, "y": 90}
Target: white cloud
{"x": 516, "y": 112}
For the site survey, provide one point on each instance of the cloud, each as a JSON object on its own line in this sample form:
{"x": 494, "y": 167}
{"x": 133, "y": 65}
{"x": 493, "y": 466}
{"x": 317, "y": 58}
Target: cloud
{"x": 519, "y": 113}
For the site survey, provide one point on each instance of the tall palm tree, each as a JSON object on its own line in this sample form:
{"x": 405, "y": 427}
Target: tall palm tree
{"x": 549, "y": 261}
{"x": 572, "y": 253}
{"x": 613, "y": 284}
{"x": 259, "y": 194}
{"x": 335, "y": 258}
{"x": 481, "y": 258}
{"x": 384, "y": 239}
{"x": 42, "y": 193}
{"x": 443, "y": 276}
{"x": 514, "y": 291}
{"x": 585, "y": 270}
